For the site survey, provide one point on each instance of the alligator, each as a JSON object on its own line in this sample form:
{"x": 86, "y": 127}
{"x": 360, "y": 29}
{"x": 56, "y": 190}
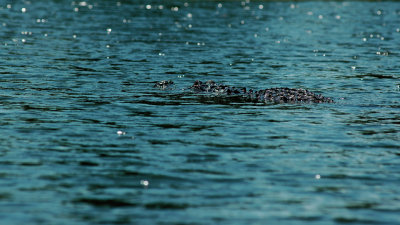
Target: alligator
{"x": 269, "y": 95}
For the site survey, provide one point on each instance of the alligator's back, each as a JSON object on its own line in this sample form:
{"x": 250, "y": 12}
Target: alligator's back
{"x": 276, "y": 95}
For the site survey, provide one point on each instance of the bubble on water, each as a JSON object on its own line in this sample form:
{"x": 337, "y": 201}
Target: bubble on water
{"x": 364, "y": 39}
{"x": 109, "y": 30}
{"x": 23, "y": 10}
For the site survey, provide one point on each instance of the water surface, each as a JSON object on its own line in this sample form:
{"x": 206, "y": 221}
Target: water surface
{"x": 86, "y": 139}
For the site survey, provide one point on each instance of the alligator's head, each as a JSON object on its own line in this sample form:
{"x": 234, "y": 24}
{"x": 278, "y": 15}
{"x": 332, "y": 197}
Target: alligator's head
{"x": 163, "y": 84}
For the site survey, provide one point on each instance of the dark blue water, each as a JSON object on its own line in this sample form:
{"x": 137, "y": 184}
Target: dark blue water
{"x": 86, "y": 139}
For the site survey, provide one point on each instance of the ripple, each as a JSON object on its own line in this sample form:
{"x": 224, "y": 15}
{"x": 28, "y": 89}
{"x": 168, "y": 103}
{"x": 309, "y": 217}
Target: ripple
{"x": 166, "y": 206}
{"x": 109, "y": 203}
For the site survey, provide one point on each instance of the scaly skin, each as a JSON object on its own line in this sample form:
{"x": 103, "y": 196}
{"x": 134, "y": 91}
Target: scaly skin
{"x": 275, "y": 95}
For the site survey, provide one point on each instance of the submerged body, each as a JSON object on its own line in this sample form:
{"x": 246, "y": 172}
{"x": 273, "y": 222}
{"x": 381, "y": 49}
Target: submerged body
{"x": 275, "y": 95}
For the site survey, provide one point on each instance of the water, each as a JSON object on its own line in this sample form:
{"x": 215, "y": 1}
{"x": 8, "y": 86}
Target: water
{"x": 86, "y": 139}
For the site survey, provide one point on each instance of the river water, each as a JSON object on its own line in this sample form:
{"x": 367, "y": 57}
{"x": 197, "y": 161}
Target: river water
{"x": 86, "y": 138}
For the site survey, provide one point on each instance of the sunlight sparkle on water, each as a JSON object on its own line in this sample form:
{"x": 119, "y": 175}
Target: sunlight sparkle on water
{"x": 120, "y": 133}
{"x": 144, "y": 183}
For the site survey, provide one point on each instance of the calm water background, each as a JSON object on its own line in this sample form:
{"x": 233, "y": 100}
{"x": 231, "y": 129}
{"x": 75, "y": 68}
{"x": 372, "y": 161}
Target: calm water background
{"x": 86, "y": 139}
